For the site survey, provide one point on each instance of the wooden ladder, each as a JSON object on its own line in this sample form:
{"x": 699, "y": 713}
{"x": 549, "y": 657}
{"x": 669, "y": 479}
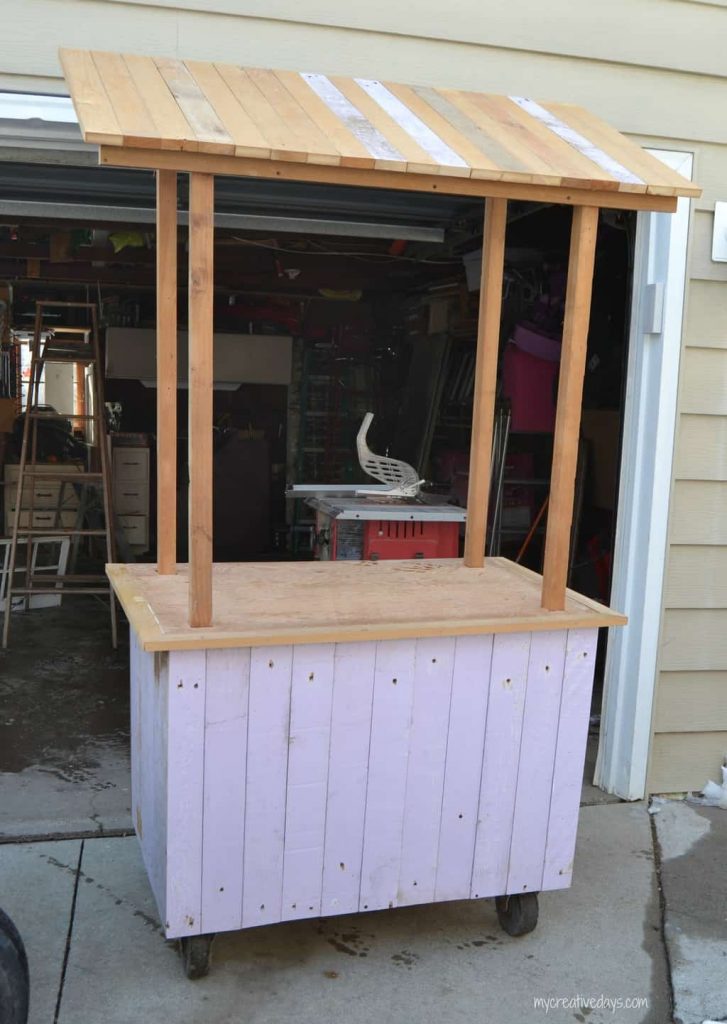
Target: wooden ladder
{"x": 79, "y": 346}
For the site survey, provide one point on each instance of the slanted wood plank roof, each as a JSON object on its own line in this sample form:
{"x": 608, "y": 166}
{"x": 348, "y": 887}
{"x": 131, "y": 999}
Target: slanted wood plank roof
{"x": 328, "y": 122}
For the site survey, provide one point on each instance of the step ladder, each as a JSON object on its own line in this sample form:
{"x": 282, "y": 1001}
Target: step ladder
{"x": 79, "y": 346}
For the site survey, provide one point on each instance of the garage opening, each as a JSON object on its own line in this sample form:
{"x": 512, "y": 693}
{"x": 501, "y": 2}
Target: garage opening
{"x": 335, "y": 307}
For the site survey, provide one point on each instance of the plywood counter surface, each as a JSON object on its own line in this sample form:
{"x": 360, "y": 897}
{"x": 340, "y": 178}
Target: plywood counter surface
{"x": 259, "y": 604}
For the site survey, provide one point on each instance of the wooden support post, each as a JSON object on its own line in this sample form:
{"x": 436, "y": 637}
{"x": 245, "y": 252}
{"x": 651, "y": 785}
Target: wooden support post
{"x": 201, "y": 252}
{"x": 166, "y": 372}
{"x": 483, "y": 413}
{"x": 570, "y": 396}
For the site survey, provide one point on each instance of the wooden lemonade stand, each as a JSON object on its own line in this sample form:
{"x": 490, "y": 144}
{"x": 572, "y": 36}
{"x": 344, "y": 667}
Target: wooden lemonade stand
{"x": 326, "y": 738}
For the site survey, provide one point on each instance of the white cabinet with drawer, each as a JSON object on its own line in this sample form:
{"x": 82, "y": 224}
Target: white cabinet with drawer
{"x": 53, "y": 502}
{"x": 130, "y": 467}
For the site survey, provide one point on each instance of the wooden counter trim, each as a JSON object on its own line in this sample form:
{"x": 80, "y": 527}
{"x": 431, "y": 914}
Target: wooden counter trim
{"x": 152, "y": 636}
{"x": 283, "y": 170}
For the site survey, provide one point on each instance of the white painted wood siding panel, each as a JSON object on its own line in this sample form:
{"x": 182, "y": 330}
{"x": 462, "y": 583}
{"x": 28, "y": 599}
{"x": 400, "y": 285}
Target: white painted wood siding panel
{"x": 307, "y": 787}
{"x": 388, "y": 756}
{"x": 570, "y": 753}
{"x": 434, "y": 666}
{"x": 267, "y": 769}
{"x": 225, "y": 765}
{"x": 463, "y": 769}
{"x": 510, "y": 656}
{"x": 353, "y": 689}
{"x": 537, "y": 762}
{"x": 185, "y": 808}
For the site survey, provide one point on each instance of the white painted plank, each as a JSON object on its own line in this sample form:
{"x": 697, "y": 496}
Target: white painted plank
{"x": 388, "y": 755}
{"x": 353, "y": 688}
{"x": 499, "y": 768}
{"x": 267, "y": 769}
{"x": 434, "y": 666}
{"x": 537, "y": 761}
{"x": 307, "y": 787}
{"x": 570, "y": 753}
{"x": 225, "y": 760}
{"x": 153, "y": 771}
{"x": 135, "y": 726}
{"x": 463, "y": 770}
{"x": 186, "y": 696}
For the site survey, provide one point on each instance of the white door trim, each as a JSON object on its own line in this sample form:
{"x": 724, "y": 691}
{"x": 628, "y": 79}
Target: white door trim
{"x": 650, "y": 413}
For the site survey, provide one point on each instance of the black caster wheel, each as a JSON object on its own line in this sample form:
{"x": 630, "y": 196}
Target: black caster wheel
{"x": 14, "y": 978}
{"x": 195, "y": 952}
{"x": 517, "y": 914}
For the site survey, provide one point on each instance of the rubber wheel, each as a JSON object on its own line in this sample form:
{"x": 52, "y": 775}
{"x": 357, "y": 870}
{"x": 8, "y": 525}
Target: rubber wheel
{"x": 14, "y": 978}
{"x": 517, "y": 914}
{"x": 196, "y": 955}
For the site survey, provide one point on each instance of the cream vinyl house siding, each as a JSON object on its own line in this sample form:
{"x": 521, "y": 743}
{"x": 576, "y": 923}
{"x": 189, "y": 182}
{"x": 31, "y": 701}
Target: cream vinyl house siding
{"x": 653, "y": 68}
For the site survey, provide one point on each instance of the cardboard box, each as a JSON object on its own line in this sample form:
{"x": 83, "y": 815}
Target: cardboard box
{"x": 7, "y": 415}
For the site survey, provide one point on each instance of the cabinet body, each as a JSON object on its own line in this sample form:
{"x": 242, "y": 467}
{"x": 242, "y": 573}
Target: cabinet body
{"x": 292, "y": 781}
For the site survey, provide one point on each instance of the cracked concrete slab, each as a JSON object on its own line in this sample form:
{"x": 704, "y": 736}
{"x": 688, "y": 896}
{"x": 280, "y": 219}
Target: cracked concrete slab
{"x": 448, "y": 962}
{"x": 36, "y": 889}
{"x": 692, "y": 842}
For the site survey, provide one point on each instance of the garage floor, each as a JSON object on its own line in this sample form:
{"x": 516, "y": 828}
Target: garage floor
{"x": 64, "y": 724}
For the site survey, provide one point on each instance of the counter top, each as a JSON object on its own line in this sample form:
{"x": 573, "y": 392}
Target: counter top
{"x": 262, "y": 603}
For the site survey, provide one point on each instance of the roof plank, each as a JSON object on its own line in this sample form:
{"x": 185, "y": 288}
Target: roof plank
{"x": 93, "y": 107}
{"x": 212, "y": 135}
{"x": 171, "y": 124}
{"x": 358, "y": 126}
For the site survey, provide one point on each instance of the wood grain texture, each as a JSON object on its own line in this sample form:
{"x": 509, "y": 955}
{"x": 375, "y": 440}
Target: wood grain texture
{"x": 209, "y": 132}
{"x": 346, "y": 601}
{"x": 347, "y": 775}
{"x": 289, "y": 167}
{"x": 447, "y": 135}
{"x": 184, "y": 789}
{"x": 485, "y": 386}
{"x": 575, "y": 705}
{"x": 285, "y": 782}
{"x": 149, "y": 697}
{"x": 201, "y": 256}
{"x": 388, "y": 759}
{"x": 166, "y": 345}
{"x": 266, "y": 784}
{"x": 225, "y": 767}
{"x": 546, "y": 667}
{"x": 568, "y": 413}
{"x": 463, "y": 766}
{"x": 508, "y": 681}
{"x": 307, "y": 780}
{"x": 433, "y": 673}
